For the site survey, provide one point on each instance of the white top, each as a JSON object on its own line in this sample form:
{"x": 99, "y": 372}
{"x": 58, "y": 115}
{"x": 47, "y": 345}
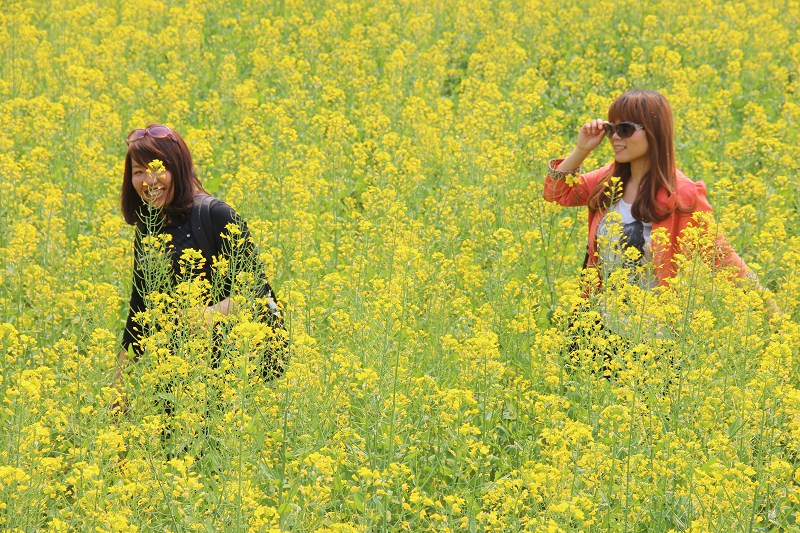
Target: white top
{"x": 618, "y": 231}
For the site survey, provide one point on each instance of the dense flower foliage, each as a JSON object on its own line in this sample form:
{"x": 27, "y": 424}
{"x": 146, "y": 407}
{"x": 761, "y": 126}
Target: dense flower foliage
{"x": 445, "y": 372}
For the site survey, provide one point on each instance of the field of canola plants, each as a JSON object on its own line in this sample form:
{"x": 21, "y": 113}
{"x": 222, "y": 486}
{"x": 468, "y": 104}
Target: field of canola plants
{"x": 389, "y": 156}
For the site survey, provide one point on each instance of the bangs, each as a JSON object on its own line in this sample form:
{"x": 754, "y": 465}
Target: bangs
{"x": 145, "y": 150}
{"x": 628, "y": 108}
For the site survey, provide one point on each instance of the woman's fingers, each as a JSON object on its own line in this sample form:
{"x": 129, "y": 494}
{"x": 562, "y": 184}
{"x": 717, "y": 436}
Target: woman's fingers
{"x": 591, "y": 135}
{"x": 594, "y": 127}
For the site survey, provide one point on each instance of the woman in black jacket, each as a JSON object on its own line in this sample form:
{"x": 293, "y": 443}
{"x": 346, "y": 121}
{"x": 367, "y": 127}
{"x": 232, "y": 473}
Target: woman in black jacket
{"x": 161, "y": 194}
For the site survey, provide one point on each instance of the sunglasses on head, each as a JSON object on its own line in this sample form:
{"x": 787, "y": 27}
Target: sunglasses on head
{"x": 622, "y": 129}
{"x": 156, "y": 132}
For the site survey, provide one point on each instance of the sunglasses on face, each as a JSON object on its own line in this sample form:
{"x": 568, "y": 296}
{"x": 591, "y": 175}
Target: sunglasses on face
{"x": 622, "y": 129}
{"x": 156, "y": 132}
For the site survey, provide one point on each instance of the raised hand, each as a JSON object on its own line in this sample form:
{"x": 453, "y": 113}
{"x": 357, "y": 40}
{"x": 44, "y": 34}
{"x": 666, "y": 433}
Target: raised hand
{"x": 591, "y": 135}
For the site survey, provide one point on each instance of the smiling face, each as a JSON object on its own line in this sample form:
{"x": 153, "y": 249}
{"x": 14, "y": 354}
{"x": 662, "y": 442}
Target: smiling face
{"x": 153, "y": 187}
{"x": 631, "y": 149}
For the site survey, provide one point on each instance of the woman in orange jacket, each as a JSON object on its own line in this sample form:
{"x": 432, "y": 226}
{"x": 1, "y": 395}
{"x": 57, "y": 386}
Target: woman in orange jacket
{"x": 650, "y": 193}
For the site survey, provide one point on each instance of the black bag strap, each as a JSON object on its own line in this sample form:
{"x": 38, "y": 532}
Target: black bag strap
{"x": 202, "y": 228}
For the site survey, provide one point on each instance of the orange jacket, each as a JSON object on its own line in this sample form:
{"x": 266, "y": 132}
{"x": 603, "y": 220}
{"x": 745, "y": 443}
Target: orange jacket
{"x": 688, "y": 193}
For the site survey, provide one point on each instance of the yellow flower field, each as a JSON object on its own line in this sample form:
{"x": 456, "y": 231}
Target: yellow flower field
{"x": 389, "y": 157}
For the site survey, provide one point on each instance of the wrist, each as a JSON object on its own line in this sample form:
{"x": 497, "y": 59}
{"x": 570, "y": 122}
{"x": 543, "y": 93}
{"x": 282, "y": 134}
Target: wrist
{"x": 558, "y": 171}
{"x": 581, "y": 153}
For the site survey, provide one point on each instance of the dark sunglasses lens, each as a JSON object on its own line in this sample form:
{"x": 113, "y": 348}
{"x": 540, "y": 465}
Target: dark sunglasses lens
{"x": 625, "y": 130}
{"x": 609, "y": 130}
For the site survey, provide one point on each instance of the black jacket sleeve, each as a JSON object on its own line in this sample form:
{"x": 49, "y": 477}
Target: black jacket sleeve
{"x": 243, "y": 253}
{"x": 132, "y": 333}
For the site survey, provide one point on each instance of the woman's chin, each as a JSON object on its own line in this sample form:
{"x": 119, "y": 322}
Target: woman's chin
{"x": 155, "y": 203}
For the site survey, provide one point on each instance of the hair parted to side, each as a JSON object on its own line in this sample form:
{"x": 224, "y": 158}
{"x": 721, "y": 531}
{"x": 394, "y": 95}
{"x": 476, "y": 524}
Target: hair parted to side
{"x": 177, "y": 159}
{"x": 652, "y": 110}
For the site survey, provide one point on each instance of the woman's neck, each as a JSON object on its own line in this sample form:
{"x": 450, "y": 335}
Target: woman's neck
{"x": 639, "y": 168}
{"x": 633, "y": 184}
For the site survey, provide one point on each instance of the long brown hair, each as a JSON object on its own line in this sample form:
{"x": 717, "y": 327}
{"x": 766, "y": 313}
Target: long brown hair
{"x": 651, "y": 110}
{"x": 175, "y": 156}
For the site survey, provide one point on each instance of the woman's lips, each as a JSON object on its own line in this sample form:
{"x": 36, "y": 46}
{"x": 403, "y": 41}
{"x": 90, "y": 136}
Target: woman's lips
{"x": 153, "y": 193}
